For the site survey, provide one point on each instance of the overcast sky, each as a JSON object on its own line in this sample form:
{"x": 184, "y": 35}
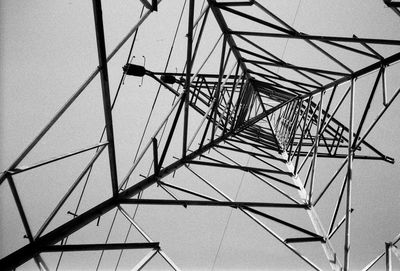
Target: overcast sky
{"x": 48, "y": 48}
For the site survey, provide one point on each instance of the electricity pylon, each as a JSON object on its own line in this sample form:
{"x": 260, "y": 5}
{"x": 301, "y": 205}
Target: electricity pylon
{"x": 288, "y": 121}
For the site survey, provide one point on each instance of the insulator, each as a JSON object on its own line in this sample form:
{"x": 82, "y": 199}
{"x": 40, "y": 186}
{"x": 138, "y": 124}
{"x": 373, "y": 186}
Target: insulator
{"x": 135, "y": 70}
{"x": 168, "y": 79}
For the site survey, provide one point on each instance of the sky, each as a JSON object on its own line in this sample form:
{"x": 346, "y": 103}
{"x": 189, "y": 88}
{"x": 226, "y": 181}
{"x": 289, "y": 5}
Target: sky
{"x": 48, "y": 48}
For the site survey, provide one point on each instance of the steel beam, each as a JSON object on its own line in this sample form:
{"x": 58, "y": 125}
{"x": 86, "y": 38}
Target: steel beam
{"x": 235, "y": 204}
{"x": 101, "y": 50}
{"x": 94, "y": 247}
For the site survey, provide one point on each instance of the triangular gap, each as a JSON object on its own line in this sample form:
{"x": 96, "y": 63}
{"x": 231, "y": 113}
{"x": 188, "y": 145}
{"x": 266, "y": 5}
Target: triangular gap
{"x": 332, "y": 130}
{"x": 277, "y": 187}
{"x": 168, "y": 133}
{"x": 355, "y": 54}
{"x": 255, "y": 42}
{"x": 241, "y": 247}
{"x": 307, "y": 55}
{"x": 291, "y": 29}
{"x": 70, "y": 133}
{"x": 157, "y": 263}
{"x": 314, "y": 252}
{"x": 227, "y": 180}
{"x": 384, "y": 49}
{"x": 133, "y": 132}
{"x": 373, "y": 104}
{"x": 220, "y": 107}
{"x": 109, "y": 258}
{"x": 93, "y": 233}
{"x": 241, "y": 145}
{"x": 54, "y": 178}
{"x": 337, "y": 130}
{"x": 259, "y": 160}
{"x": 208, "y": 53}
{"x": 286, "y": 222}
{"x": 124, "y": 231}
{"x": 187, "y": 184}
{"x": 231, "y": 16}
{"x": 278, "y": 83}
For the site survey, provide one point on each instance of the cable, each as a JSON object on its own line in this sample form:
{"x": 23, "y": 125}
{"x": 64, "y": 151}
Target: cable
{"x": 230, "y": 214}
{"x": 292, "y": 24}
{"x": 229, "y": 217}
{"x": 287, "y": 41}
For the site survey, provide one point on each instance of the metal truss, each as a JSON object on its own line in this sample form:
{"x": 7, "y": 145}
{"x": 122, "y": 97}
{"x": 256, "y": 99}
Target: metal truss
{"x": 287, "y": 122}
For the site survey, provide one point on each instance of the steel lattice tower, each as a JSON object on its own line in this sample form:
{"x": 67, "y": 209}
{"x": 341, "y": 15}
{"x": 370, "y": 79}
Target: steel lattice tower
{"x": 300, "y": 121}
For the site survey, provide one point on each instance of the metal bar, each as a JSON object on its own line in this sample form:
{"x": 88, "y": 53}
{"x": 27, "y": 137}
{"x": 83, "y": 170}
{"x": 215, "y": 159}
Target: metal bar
{"x": 201, "y": 123}
{"x": 171, "y": 133}
{"x": 367, "y": 107}
{"x": 304, "y": 240}
{"x": 94, "y": 247}
{"x": 101, "y": 49}
{"x": 315, "y": 37}
{"x": 228, "y": 109}
{"x": 39, "y": 261}
{"x": 20, "y": 208}
{"x": 188, "y": 72}
{"x": 351, "y": 49}
{"x": 388, "y": 258}
{"x": 225, "y": 29}
{"x": 337, "y": 205}
{"x": 370, "y": 48}
{"x": 206, "y": 9}
{"x": 257, "y": 20}
{"x": 316, "y": 144}
{"x": 346, "y": 264}
{"x": 384, "y": 88}
{"x": 217, "y": 92}
{"x": 238, "y": 3}
{"x": 235, "y": 204}
{"x": 373, "y": 262}
{"x": 189, "y": 192}
{"x": 199, "y": 37}
{"x": 302, "y": 134}
{"x": 155, "y": 157}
